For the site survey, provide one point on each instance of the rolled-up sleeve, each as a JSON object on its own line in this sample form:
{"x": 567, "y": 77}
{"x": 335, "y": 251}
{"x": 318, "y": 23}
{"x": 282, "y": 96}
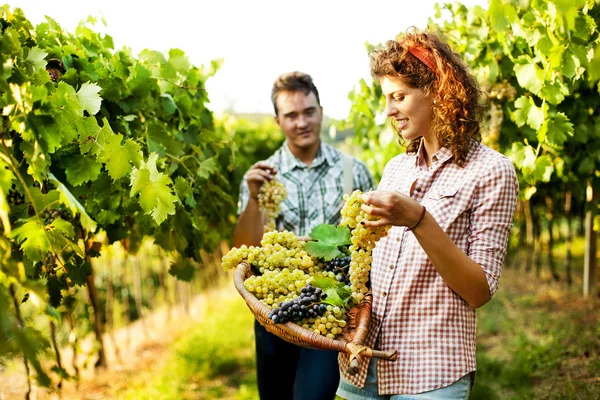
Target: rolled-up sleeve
{"x": 244, "y": 196}
{"x": 493, "y": 209}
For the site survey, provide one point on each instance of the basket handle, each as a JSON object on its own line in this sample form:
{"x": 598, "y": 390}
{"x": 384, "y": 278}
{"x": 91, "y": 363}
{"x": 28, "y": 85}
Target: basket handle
{"x": 357, "y": 352}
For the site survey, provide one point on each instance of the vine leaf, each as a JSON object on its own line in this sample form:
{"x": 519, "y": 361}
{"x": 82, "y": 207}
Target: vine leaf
{"x": 75, "y": 206}
{"x": 89, "y": 99}
{"x": 115, "y": 156}
{"x": 33, "y": 239}
{"x": 327, "y": 239}
{"x": 155, "y": 194}
{"x": 36, "y": 59}
{"x": 82, "y": 169}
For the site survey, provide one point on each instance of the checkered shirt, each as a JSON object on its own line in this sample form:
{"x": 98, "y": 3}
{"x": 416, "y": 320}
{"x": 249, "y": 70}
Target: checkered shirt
{"x": 314, "y": 193}
{"x": 414, "y": 311}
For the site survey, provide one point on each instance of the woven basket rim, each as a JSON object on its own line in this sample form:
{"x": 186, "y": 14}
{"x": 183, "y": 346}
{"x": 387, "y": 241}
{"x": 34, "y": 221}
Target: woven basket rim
{"x": 260, "y": 310}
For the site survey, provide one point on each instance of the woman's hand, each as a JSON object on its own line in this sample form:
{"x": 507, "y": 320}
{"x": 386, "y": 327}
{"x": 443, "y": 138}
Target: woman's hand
{"x": 258, "y": 174}
{"x": 394, "y": 208}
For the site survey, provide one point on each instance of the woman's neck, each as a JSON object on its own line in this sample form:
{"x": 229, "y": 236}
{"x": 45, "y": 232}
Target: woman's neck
{"x": 431, "y": 146}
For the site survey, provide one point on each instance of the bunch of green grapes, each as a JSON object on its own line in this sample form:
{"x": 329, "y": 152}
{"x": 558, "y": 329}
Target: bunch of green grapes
{"x": 236, "y": 255}
{"x": 278, "y": 250}
{"x": 363, "y": 242}
{"x": 330, "y": 324}
{"x": 270, "y": 195}
{"x": 277, "y": 286}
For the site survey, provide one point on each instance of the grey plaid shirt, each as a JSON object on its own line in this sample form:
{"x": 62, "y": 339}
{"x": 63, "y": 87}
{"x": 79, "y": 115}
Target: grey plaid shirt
{"x": 314, "y": 193}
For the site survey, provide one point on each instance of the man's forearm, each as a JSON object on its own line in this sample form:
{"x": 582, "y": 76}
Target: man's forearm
{"x": 249, "y": 229}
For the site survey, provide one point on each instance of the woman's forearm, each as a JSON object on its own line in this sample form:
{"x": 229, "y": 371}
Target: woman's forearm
{"x": 461, "y": 273}
{"x": 249, "y": 229}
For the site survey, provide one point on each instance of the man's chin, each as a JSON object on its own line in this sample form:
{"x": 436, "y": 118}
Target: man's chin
{"x": 306, "y": 143}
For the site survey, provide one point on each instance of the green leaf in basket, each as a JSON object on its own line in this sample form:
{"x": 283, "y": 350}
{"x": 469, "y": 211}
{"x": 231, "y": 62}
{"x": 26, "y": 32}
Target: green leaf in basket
{"x": 322, "y": 250}
{"x": 333, "y": 298}
{"x": 327, "y": 238}
{"x": 325, "y": 283}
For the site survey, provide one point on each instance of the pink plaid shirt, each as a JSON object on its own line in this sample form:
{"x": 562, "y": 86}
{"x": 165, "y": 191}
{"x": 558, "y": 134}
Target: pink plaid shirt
{"x": 414, "y": 311}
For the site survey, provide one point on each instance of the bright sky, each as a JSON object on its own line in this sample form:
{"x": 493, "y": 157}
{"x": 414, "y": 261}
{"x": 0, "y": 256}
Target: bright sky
{"x": 257, "y": 39}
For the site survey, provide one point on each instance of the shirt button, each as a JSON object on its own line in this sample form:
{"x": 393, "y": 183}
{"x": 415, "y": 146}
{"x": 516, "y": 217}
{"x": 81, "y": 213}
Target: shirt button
{"x": 383, "y": 294}
{"x": 391, "y": 266}
{"x": 434, "y": 158}
{"x": 397, "y": 239}
{"x": 418, "y": 190}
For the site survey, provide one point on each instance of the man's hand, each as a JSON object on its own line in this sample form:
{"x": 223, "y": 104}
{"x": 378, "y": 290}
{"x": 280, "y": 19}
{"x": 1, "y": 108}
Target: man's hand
{"x": 394, "y": 208}
{"x": 258, "y": 174}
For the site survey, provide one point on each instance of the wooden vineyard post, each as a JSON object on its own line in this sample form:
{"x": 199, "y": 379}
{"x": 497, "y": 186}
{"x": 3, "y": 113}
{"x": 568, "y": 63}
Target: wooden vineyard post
{"x": 590, "y": 260}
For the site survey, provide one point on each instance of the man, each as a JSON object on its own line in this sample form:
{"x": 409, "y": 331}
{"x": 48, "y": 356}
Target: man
{"x": 313, "y": 174}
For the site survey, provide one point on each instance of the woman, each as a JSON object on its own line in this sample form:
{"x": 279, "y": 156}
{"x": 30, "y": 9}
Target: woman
{"x": 450, "y": 202}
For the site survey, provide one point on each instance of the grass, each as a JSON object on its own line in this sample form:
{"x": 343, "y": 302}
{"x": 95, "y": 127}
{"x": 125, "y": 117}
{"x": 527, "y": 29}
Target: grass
{"x": 539, "y": 339}
{"x": 215, "y": 360}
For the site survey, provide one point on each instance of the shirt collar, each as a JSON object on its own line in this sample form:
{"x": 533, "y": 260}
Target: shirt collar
{"x": 289, "y": 161}
{"x": 440, "y": 156}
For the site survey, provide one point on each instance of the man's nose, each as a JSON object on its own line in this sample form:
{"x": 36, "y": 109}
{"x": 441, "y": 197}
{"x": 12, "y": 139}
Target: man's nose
{"x": 302, "y": 122}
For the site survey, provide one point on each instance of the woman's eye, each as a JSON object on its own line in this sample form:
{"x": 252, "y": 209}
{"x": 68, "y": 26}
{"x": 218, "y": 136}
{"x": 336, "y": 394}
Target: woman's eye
{"x": 399, "y": 98}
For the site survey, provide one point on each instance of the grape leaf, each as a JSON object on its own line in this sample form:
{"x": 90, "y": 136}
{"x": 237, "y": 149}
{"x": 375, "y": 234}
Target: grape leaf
{"x": 115, "y": 156}
{"x": 32, "y": 238}
{"x": 324, "y": 282}
{"x": 89, "y": 99}
{"x": 529, "y": 75}
{"x": 43, "y": 200}
{"x": 72, "y": 204}
{"x": 328, "y": 238}
{"x": 79, "y": 273}
{"x": 340, "y": 236}
{"x": 156, "y": 197}
{"x": 207, "y": 168}
{"x": 6, "y": 177}
{"x": 66, "y": 107}
{"x": 556, "y": 128}
{"x": 184, "y": 192}
{"x": 37, "y": 160}
{"x": 35, "y": 59}
{"x": 182, "y": 268}
{"x": 333, "y": 298}
{"x": 325, "y": 251}
{"x": 82, "y": 169}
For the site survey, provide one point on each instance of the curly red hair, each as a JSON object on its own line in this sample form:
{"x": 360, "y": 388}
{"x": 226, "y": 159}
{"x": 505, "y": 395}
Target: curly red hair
{"x": 424, "y": 61}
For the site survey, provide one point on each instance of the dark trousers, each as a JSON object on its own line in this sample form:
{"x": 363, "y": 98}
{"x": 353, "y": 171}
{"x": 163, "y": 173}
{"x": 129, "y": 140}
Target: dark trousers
{"x": 289, "y": 372}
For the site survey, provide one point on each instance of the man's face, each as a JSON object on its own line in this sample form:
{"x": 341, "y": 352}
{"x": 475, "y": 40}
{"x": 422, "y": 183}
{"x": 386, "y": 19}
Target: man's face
{"x": 299, "y": 117}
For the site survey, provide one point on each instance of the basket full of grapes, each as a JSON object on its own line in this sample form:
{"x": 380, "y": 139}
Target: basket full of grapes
{"x": 313, "y": 291}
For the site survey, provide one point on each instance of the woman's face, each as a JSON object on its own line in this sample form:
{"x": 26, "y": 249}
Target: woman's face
{"x": 410, "y": 107}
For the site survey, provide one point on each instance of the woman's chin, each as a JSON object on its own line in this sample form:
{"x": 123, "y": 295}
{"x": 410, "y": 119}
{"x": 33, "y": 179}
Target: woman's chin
{"x": 408, "y": 135}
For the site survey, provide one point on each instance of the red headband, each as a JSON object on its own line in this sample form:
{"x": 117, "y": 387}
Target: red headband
{"x": 424, "y": 56}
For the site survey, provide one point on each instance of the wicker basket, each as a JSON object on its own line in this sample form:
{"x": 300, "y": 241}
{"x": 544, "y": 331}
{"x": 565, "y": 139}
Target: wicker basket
{"x": 351, "y": 341}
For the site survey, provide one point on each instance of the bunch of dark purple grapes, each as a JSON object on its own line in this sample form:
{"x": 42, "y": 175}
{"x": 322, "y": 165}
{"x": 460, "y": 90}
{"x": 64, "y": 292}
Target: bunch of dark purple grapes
{"x": 50, "y": 215}
{"x": 15, "y": 198}
{"x": 307, "y": 305}
{"x": 339, "y": 267}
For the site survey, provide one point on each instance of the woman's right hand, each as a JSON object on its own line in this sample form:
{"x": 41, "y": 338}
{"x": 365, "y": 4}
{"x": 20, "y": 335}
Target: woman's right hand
{"x": 258, "y": 174}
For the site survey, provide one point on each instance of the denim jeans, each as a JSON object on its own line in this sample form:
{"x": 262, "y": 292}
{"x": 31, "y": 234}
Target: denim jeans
{"x": 459, "y": 390}
{"x": 286, "y": 371}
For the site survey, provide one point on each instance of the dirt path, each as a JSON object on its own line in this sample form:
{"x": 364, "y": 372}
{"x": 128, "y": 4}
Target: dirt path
{"x": 143, "y": 347}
